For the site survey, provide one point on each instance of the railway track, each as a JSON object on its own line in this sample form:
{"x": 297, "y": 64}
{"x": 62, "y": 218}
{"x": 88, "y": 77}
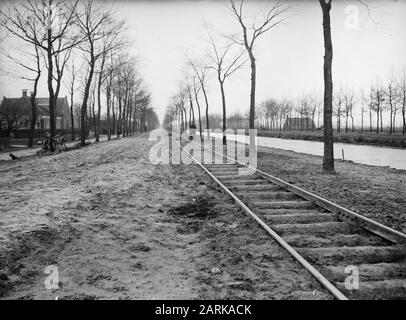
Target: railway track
{"x": 331, "y": 242}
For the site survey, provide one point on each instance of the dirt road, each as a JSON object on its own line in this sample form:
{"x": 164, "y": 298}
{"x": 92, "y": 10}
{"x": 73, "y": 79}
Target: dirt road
{"x": 117, "y": 227}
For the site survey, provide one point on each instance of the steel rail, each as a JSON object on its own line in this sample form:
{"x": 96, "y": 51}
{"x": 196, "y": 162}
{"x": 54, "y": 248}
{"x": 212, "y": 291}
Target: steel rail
{"x": 374, "y": 226}
{"x": 312, "y": 270}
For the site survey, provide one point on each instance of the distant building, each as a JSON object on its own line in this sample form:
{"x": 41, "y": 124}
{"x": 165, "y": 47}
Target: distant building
{"x": 18, "y": 112}
{"x": 299, "y": 124}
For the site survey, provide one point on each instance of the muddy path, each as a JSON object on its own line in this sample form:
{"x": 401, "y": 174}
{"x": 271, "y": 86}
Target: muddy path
{"x": 118, "y": 227}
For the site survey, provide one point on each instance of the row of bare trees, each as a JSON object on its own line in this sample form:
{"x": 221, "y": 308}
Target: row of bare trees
{"x": 380, "y": 108}
{"x": 126, "y": 98}
{"x": 389, "y": 98}
{"x": 250, "y": 32}
{"x": 381, "y": 101}
{"x": 224, "y": 56}
{"x": 351, "y": 110}
{"x": 78, "y": 44}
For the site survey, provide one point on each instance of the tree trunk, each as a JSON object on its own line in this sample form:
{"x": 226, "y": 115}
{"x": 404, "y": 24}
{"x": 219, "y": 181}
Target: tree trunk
{"x": 182, "y": 126}
{"x": 200, "y": 119}
{"x": 328, "y": 159}
{"x": 192, "y": 111}
{"x": 339, "y": 121}
{"x": 377, "y": 119}
{"x": 72, "y": 118}
{"x": 207, "y": 108}
{"x": 113, "y": 114}
{"x": 129, "y": 119}
{"x": 352, "y": 123}
{"x": 223, "y": 100}
{"x": 125, "y": 111}
{"x": 391, "y": 110}
{"x": 33, "y": 118}
{"x": 186, "y": 125}
{"x": 119, "y": 126}
{"x": 84, "y": 105}
{"x": 97, "y": 126}
{"x": 50, "y": 87}
{"x": 97, "y": 132}
{"x": 252, "y": 93}
{"x": 391, "y": 121}
{"x": 93, "y": 114}
{"x": 34, "y": 108}
{"x": 108, "y": 101}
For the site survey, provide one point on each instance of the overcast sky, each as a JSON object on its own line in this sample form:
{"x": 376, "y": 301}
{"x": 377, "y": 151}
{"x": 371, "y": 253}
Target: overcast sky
{"x": 289, "y": 57}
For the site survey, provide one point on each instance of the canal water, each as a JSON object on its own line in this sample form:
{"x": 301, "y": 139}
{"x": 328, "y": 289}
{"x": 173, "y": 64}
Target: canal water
{"x": 371, "y": 155}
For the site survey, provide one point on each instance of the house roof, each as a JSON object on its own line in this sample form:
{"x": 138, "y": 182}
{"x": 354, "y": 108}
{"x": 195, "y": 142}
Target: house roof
{"x": 23, "y": 105}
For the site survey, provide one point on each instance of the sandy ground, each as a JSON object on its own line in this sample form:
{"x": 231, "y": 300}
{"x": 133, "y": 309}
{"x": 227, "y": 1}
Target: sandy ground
{"x": 376, "y": 192}
{"x": 118, "y": 227}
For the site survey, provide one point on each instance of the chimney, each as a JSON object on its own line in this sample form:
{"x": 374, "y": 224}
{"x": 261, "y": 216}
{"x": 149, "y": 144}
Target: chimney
{"x": 25, "y": 93}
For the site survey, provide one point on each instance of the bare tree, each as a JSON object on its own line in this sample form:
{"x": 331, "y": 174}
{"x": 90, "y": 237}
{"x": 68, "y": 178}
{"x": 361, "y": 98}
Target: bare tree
{"x": 402, "y": 88}
{"x": 315, "y": 107}
{"x": 201, "y": 72}
{"x": 196, "y": 89}
{"x": 363, "y": 103}
{"x": 49, "y": 25}
{"x": 378, "y": 106}
{"x": 189, "y": 93}
{"x": 371, "y": 107}
{"x": 250, "y": 33}
{"x": 328, "y": 158}
{"x": 96, "y": 25}
{"x": 72, "y": 85}
{"x": 111, "y": 74}
{"x": 109, "y": 49}
{"x": 393, "y": 97}
{"x": 224, "y": 68}
{"x": 348, "y": 107}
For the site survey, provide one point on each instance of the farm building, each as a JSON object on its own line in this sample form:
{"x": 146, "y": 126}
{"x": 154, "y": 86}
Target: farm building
{"x": 17, "y": 112}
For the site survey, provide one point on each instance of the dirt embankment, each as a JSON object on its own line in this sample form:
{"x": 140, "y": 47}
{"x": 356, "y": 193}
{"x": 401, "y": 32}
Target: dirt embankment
{"x": 376, "y": 192}
{"x": 118, "y": 227}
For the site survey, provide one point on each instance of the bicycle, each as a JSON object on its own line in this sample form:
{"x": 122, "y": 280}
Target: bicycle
{"x": 58, "y": 143}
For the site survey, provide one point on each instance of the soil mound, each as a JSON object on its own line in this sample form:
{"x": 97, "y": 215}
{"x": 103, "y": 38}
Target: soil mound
{"x": 200, "y": 207}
